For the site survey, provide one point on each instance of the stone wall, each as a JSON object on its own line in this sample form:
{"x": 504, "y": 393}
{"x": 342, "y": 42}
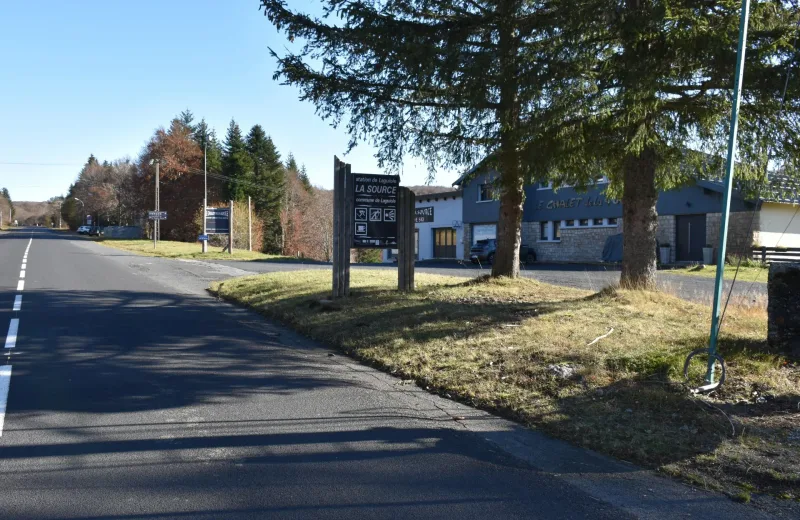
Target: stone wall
{"x": 665, "y": 234}
{"x": 740, "y": 235}
{"x": 467, "y": 237}
{"x": 576, "y": 245}
{"x": 784, "y": 308}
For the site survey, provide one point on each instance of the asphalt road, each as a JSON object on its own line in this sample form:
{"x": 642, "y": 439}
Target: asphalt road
{"x": 130, "y": 393}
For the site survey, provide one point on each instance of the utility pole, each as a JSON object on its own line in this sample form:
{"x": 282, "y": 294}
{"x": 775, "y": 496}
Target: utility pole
{"x": 205, "y": 195}
{"x": 156, "y": 226}
{"x": 158, "y": 200}
{"x": 230, "y": 232}
{"x": 249, "y": 224}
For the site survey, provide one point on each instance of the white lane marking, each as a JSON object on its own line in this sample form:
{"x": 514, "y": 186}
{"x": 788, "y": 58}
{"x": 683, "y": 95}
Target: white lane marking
{"x": 5, "y": 383}
{"x": 21, "y": 285}
{"x": 22, "y": 274}
{"x": 24, "y": 265}
{"x": 13, "y": 328}
{"x": 18, "y": 302}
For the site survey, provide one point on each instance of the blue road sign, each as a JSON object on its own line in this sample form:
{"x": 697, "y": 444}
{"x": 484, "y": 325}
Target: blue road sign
{"x": 201, "y": 238}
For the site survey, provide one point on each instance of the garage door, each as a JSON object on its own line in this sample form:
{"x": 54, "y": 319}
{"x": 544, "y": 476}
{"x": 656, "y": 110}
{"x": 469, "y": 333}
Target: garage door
{"x": 483, "y": 232}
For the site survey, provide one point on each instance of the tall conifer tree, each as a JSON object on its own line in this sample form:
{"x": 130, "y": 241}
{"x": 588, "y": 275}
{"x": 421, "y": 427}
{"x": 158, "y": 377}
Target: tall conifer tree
{"x": 269, "y": 184}
{"x": 236, "y": 163}
{"x": 456, "y": 83}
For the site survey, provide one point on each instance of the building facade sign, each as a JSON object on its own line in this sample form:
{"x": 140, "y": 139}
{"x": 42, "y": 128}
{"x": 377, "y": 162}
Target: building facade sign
{"x": 576, "y": 202}
{"x": 424, "y": 214}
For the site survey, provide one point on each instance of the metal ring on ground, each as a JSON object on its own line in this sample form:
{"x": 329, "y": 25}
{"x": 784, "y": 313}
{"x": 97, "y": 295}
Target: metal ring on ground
{"x": 710, "y": 386}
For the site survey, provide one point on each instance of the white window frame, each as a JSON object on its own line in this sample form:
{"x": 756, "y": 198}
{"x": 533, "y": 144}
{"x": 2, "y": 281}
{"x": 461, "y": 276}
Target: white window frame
{"x": 480, "y": 192}
{"x": 548, "y": 187}
{"x": 550, "y": 231}
{"x": 577, "y": 223}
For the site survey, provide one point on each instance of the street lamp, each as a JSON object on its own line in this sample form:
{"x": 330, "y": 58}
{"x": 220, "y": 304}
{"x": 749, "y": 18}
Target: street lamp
{"x": 156, "y": 222}
{"x": 83, "y": 209}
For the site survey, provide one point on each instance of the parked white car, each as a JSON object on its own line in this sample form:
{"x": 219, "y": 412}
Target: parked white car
{"x": 84, "y": 230}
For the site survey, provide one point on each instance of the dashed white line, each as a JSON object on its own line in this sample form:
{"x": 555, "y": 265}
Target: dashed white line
{"x": 24, "y": 265}
{"x": 21, "y": 285}
{"x": 18, "y": 302}
{"x": 22, "y": 274}
{"x": 5, "y": 383}
{"x": 13, "y": 328}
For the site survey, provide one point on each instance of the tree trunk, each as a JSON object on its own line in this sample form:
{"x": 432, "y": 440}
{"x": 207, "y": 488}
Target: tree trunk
{"x": 639, "y": 220}
{"x": 506, "y": 257}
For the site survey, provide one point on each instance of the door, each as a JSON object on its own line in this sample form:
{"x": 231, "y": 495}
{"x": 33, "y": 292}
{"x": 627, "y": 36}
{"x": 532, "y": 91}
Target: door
{"x": 444, "y": 243}
{"x": 691, "y": 238}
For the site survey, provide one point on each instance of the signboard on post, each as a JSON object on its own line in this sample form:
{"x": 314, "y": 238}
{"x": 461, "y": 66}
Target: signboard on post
{"x": 218, "y": 221}
{"x": 157, "y": 215}
{"x": 375, "y": 210}
{"x": 423, "y": 215}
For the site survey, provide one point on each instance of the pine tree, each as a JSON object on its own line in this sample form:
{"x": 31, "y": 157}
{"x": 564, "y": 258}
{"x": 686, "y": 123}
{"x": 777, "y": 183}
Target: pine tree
{"x": 455, "y": 83}
{"x": 291, "y": 164}
{"x": 206, "y": 139}
{"x": 269, "y": 182}
{"x": 186, "y": 118}
{"x": 571, "y": 90}
{"x": 303, "y": 176}
{"x": 646, "y": 99}
{"x": 236, "y": 163}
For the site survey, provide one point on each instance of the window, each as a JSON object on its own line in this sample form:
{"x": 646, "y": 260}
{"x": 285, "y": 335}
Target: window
{"x": 550, "y": 231}
{"x": 597, "y": 222}
{"x": 569, "y": 223}
{"x": 485, "y": 193}
{"x": 545, "y": 186}
{"x": 583, "y": 222}
{"x": 612, "y": 222}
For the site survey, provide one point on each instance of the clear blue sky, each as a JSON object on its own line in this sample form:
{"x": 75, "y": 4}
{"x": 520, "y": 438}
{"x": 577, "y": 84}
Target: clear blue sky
{"x": 99, "y": 76}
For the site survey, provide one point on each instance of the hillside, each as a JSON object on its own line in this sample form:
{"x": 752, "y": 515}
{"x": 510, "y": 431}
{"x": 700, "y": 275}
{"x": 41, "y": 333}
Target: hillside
{"x": 29, "y": 213}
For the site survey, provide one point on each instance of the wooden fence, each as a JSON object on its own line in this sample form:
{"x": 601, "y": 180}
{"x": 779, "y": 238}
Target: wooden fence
{"x": 770, "y": 255}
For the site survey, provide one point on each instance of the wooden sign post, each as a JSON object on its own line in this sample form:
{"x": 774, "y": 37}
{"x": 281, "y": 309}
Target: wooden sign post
{"x": 342, "y": 217}
{"x": 405, "y": 240}
{"x": 370, "y": 211}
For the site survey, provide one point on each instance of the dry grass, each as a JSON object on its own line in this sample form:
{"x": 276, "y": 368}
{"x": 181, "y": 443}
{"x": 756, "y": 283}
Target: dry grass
{"x": 747, "y": 273}
{"x": 497, "y": 344}
{"x": 172, "y": 249}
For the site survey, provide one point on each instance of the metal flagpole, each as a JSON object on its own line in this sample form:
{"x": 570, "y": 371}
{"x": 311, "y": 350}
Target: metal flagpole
{"x": 726, "y": 201}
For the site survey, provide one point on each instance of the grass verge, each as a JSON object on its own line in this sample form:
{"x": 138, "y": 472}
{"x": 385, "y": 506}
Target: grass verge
{"x": 172, "y": 249}
{"x": 520, "y": 348}
{"x": 747, "y": 273}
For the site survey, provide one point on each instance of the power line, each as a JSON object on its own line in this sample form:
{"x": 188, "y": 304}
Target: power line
{"x": 36, "y": 164}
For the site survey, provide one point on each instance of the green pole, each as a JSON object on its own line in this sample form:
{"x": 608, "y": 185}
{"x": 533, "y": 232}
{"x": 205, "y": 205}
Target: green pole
{"x": 726, "y": 201}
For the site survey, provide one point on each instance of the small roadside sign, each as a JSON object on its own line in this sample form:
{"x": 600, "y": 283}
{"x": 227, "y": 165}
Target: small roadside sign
{"x": 218, "y": 221}
{"x": 157, "y": 215}
{"x": 202, "y": 238}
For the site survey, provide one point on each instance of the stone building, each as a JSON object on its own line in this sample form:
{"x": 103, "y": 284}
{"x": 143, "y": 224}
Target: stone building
{"x": 569, "y": 225}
